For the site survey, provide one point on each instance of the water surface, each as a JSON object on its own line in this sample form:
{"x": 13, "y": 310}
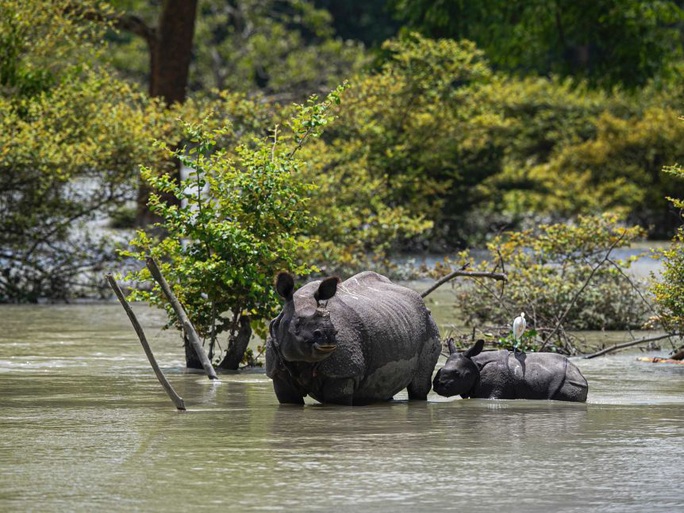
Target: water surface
{"x": 85, "y": 426}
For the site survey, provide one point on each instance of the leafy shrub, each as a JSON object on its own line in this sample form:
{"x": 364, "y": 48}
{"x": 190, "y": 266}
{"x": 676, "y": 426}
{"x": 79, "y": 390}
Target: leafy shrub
{"x": 436, "y": 133}
{"x": 562, "y": 276}
{"x": 244, "y": 216}
{"x": 668, "y": 288}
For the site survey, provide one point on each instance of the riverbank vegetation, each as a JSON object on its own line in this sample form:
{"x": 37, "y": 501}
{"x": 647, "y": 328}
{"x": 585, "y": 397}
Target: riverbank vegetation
{"x": 455, "y": 129}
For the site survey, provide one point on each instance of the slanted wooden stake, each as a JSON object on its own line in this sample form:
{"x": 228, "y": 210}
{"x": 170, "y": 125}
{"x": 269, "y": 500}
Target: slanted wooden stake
{"x": 177, "y": 400}
{"x": 190, "y": 332}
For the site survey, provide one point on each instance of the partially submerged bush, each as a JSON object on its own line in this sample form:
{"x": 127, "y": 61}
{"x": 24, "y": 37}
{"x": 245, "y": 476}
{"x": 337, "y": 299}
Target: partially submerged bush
{"x": 244, "y": 216}
{"x": 563, "y": 276}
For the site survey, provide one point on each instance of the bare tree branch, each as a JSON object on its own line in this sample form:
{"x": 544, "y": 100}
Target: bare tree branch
{"x": 135, "y": 25}
{"x": 559, "y": 323}
{"x": 624, "y": 345}
{"x": 461, "y": 272}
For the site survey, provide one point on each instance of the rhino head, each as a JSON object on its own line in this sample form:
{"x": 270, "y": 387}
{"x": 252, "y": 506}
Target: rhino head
{"x": 460, "y": 374}
{"x": 304, "y": 331}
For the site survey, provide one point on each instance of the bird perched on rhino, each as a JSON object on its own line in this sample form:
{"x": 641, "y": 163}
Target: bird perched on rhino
{"x": 519, "y": 325}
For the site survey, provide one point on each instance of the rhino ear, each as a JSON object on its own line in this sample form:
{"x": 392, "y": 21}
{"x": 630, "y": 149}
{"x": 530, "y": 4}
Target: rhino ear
{"x": 475, "y": 350}
{"x": 285, "y": 285}
{"x": 451, "y": 345}
{"x": 326, "y": 289}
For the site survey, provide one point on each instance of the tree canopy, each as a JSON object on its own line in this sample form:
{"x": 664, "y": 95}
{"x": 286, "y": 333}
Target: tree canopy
{"x": 608, "y": 42}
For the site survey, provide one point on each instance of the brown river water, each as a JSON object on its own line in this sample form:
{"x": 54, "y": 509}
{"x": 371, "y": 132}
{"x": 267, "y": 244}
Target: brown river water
{"x": 85, "y": 426}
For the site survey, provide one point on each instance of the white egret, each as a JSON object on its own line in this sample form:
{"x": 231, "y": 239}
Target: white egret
{"x": 519, "y": 325}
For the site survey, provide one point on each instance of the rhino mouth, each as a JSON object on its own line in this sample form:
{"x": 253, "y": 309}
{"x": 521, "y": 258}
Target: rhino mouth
{"x": 324, "y": 348}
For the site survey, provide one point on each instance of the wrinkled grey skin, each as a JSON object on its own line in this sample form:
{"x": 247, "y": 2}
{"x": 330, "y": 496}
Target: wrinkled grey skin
{"x": 506, "y": 375}
{"x": 356, "y": 342}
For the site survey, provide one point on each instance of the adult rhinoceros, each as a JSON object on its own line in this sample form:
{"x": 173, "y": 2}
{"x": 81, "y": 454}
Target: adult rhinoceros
{"x": 507, "y": 375}
{"x": 355, "y": 342}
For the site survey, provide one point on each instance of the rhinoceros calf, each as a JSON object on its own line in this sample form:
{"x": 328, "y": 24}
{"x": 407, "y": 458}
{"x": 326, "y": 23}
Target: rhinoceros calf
{"x": 506, "y": 375}
{"x": 355, "y": 342}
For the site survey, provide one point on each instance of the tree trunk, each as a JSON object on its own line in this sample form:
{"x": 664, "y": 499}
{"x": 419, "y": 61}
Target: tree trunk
{"x": 170, "y": 47}
{"x": 192, "y": 361}
{"x": 237, "y": 346}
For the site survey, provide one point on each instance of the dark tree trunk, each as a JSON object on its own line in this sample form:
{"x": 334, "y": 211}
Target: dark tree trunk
{"x": 171, "y": 50}
{"x": 192, "y": 361}
{"x": 237, "y": 346}
{"x": 170, "y": 47}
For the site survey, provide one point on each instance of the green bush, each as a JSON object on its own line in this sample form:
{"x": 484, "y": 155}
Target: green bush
{"x": 563, "y": 276}
{"x": 668, "y": 288}
{"x": 244, "y": 216}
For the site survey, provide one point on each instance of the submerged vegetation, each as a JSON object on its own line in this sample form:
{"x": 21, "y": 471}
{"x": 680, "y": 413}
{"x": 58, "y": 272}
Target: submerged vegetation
{"x": 563, "y": 276}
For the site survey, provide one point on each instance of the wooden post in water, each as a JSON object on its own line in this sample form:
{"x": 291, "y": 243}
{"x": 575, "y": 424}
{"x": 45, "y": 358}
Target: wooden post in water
{"x": 190, "y": 332}
{"x": 177, "y": 400}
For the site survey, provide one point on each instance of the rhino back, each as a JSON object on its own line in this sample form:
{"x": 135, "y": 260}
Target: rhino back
{"x": 510, "y": 375}
{"x": 382, "y": 327}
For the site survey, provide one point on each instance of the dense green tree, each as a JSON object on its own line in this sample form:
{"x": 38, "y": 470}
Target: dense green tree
{"x": 368, "y": 21}
{"x": 668, "y": 288}
{"x": 608, "y": 42}
{"x": 71, "y": 137}
{"x": 169, "y": 42}
{"x": 435, "y": 133}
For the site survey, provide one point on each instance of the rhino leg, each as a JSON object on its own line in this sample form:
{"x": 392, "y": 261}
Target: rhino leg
{"x": 286, "y": 392}
{"x": 421, "y": 384}
{"x": 339, "y": 391}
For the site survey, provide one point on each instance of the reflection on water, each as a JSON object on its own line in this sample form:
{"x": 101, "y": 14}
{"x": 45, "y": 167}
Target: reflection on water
{"x": 85, "y": 426}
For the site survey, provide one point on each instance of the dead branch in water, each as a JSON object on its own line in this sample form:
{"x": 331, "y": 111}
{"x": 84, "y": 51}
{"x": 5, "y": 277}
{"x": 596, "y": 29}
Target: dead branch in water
{"x": 657, "y": 359}
{"x": 624, "y": 345}
{"x": 190, "y": 331}
{"x": 461, "y": 272}
{"x": 177, "y": 400}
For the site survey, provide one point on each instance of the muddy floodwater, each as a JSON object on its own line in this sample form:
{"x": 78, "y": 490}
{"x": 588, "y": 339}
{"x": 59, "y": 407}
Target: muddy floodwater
{"x": 85, "y": 426}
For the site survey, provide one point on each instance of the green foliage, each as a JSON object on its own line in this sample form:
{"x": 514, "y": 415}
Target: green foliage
{"x": 43, "y": 41}
{"x": 562, "y": 276}
{"x": 71, "y": 136}
{"x": 392, "y": 157}
{"x": 244, "y": 216}
{"x": 668, "y": 288}
{"x": 435, "y": 133}
{"x": 528, "y": 342}
{"x": 585, "y": 153}
{"x": 606, "y": 42}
